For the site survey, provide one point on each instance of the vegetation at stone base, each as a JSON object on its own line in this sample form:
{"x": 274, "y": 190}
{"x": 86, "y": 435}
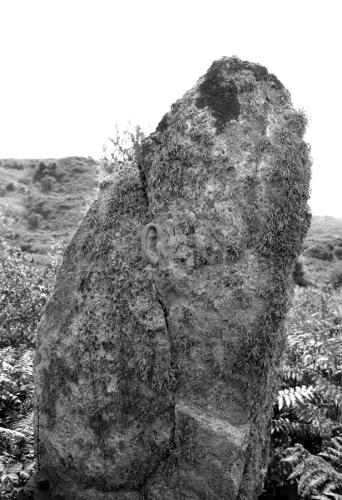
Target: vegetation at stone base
{"x": 17, "y": 456}
{"x": 36, "y": 200}
{"x": 24, "y": 289}
{"x": 41, "y": 204}
{"x": 307, "y": 422}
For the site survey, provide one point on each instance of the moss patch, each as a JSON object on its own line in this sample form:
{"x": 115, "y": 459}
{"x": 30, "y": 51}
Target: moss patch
{"x": 220, "y": 96}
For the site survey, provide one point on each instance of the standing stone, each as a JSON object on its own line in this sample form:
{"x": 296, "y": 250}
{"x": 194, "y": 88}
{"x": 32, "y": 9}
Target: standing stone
{"x": 157, "y": 354}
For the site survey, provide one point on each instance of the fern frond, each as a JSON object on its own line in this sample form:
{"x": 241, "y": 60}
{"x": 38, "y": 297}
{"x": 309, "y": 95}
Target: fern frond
{"x": 287, "y": 427}
{"x": 318, "y": 479}
{"x": 291, "y": 377}
{"x": 294, "y": 396}
{"x": 310, "y": 412}
{"x": 333, "y": 454}
{"x": 316, "y": 472}
{"x": 313, "y": 473}
{"x": 327, "y": 494}
{"x": 296, "y": 455}
{"x": 328, "y": 391}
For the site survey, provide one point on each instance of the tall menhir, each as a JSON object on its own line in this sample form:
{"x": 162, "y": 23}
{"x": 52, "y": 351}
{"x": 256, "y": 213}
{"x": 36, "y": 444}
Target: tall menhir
{"x": 157, "y": 354}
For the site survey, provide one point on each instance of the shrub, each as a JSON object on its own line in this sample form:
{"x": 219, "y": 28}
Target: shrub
{"x": 338, "y": 252}
{"x": 24, "y": 289}
{"x": 39, "y": 204}
{"x": 47, "y": 170}
{"x": 14, "y": 165}
{"x": 47, "y": 183}
{"x": 320, "y": 251}
{"x": 10, "y": 186}
{"x": 16, "y": 382}
{"x": 336, "y": 277}
{"x": 299, "y": 275}
{"x": 34, "y": 220}
{"x": 125, "y": 148}
{"x": 39, "y": 171}
{"x": 16, "y": 429}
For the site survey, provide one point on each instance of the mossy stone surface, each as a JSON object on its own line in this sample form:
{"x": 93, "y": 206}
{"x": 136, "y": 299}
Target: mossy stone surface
{"x": 155, "y": 381}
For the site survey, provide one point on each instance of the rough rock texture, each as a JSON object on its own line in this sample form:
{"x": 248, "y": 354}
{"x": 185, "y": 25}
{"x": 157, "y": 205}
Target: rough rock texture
{"x": 156, "y": 380}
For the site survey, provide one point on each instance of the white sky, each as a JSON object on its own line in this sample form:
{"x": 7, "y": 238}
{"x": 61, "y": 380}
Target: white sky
{"x": 72, "y": 69}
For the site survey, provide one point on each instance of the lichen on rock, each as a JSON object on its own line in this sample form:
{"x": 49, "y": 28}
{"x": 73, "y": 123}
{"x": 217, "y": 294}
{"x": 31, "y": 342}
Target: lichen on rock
{"x": 157, "y": 355}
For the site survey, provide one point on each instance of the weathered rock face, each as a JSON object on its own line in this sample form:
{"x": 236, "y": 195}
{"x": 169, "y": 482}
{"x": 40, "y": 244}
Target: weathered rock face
{"x": 157, "y": 355}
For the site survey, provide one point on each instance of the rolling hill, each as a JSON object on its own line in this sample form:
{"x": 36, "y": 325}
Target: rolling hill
{"x": 42, "y": 201}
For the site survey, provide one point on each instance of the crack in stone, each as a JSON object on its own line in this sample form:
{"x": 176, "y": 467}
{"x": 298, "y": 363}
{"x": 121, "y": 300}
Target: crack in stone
{"x": 172, "y": 362}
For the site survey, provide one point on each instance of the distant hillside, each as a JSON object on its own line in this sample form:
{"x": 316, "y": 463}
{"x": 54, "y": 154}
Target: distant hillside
{"x": 322, "y": 250}
{"x": 42, "y": 201}
{"x": 324, "y": 227}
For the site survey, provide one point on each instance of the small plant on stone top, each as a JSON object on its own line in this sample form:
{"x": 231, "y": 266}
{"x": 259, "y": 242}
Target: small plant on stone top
{"x": 124, "y": 148}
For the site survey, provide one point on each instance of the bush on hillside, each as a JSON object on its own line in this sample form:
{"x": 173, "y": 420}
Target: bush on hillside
{"x": 299, "y": 274}
{"x": 47, "y": 183}
{"x": 336, "y": 277}
{"x": 47, "y": 170}
{"x": 39, "y": 171}
{"x": 39, "y": 204}
{"x": 33, "y": 221}
{"x": 13, "y": 165}
{"x": 10, "y": 186}
{"x": 338, "y": 252}
{"x": 320, "y": 251}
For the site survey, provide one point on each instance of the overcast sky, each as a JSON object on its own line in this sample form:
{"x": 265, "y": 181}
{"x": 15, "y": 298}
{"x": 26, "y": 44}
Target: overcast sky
{"x": 72, "y": 69}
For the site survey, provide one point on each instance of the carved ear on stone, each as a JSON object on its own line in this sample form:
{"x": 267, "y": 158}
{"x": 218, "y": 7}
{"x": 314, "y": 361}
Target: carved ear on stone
{"x": 149, "y": 239}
